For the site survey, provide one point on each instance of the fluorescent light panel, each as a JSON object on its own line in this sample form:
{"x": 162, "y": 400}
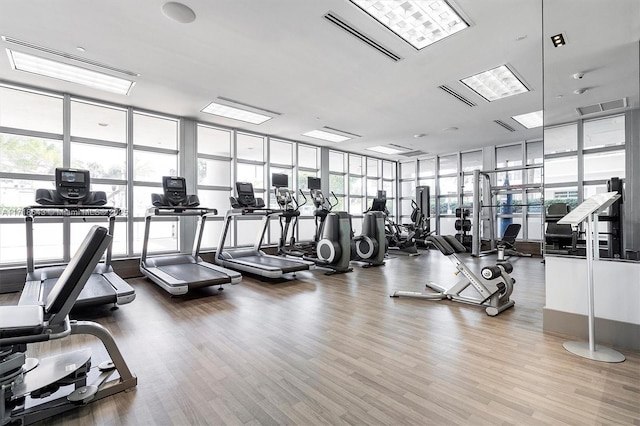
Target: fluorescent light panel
{"x": 235, "y": 113}
{"x": 385, "y": 150}
{"x": 326, "y": 136}
{"x": 36, "y": 65}
{"x": 529, "y": 120}
{"x": 496, "y": 83}
{"x": 419, "y": 22}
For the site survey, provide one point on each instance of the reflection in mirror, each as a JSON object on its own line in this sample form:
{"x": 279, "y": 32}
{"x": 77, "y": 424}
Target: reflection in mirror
{"x": 591, "y": 101}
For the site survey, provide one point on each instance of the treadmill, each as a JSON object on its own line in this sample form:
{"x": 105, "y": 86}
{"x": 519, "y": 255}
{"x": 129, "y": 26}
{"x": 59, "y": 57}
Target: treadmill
{"x": 72, "y": 198}
{"x": 178, "y": 273}
{"x": 253, "y": 260}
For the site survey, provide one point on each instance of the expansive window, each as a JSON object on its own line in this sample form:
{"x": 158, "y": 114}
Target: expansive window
{"x": 128, "y": 151}
{"x": 580, "y": 158}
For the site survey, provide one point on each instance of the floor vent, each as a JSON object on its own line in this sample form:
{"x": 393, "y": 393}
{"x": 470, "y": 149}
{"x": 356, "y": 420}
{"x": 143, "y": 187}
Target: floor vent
{"x": 457, "y": 95}
{"x": 339, "y": 22}
{"x": 602, "y": 107}
{"x": 505, "y": 125}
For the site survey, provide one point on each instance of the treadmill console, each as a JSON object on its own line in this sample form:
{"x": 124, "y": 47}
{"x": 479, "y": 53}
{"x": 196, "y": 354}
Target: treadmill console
{"x": 175, "y": 190}
{"x": 246, "y": 197}
{"x": 72, "y": 185}
{"x": 174, "y": 194}
{"x": 72, "y": 188}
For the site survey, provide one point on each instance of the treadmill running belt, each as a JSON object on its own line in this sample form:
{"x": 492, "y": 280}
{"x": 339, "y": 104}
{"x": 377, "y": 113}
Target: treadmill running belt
{"x": 273, "y": 262}
{"x": 97, "y": 291}
{"x": 195, "y": 275}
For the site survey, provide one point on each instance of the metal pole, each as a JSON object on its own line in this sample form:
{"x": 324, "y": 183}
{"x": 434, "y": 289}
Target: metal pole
{"x": 592, "y": 343}
{"x": 475, "y": 229}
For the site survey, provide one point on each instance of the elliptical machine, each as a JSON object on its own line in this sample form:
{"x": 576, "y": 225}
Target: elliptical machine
{"x": 395, "y": 238}
{"x": 370, "y": 246}
{"x": 333, "y": 231}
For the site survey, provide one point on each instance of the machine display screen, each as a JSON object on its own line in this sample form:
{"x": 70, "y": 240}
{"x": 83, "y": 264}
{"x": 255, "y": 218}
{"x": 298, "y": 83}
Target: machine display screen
{"x": 313, "y": 182}
{"x": 72, "y": 177}
{"x": 279, "y": 180}
{"x": 245, "y": 188}
{"x": 175, "y": 183}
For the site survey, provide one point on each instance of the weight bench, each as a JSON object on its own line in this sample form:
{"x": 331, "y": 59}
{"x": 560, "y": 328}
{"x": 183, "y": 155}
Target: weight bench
{"x": 24, "y": 380}
{"x": 492, "y": 293}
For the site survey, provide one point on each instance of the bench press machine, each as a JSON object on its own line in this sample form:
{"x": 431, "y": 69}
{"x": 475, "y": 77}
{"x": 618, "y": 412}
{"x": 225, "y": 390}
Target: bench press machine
{"x": 494, "y": 286}
{"x": 32, "y": 389}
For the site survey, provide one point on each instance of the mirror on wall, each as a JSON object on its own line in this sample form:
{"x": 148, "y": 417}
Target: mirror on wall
{"x": 591, "y": 57}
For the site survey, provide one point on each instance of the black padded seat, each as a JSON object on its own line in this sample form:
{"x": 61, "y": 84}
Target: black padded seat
{"x": 21, "y": 320}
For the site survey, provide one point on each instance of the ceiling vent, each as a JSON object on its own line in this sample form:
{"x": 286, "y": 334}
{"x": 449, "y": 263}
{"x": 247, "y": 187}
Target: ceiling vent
{"x": 602, "y": 107}
{"x": 333, "y": 129}
{"x": 505, "y": 125}
{"x": 339, "y": 22}
{"x": 413, "y": 153}
{"x": 457, "y": 95}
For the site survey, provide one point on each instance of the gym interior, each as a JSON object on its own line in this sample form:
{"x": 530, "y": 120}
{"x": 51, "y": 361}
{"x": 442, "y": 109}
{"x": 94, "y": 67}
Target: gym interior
{"x": 337, "y": 212}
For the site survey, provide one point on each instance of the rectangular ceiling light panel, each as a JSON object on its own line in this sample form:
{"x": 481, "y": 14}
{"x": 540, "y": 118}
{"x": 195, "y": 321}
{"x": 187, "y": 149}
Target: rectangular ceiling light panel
{"x": 235, "y": 113}
{"x": 70, "y": 73}
{"x": 496, "y": 83}
{"x": 530, "y": 120}
{"x": 326, "y": 136}
{"x": 418, "y": 22}
{"x": 385, "y": 150}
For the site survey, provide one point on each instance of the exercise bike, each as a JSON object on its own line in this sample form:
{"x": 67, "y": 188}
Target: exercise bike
{"x": 493, "y": 287}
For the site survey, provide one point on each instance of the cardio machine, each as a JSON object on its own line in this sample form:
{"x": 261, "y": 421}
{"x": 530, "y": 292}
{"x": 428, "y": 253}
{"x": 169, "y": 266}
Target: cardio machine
{"x": 492, "y": 289}
{"x": 178, "y": 273}
{"x": 72, "y": 198}
{"x": 253, "y": 259}
{"x": 396, "y": 239}
{"x": 32, "y": 389}
{"x": 331, "y": 246}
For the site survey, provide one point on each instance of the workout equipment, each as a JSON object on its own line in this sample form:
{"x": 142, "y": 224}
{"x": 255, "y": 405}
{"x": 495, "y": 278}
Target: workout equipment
{"x": 483, "y": 211}
{"x": 253, "y": 259}
{"x": 493, "y": 287}
{"x": 559, "y": 238}
{"x": 463, "y": 226}
{"x": 178, "y": 273}
{"x": 32, "y": 390}
{"x": 507, "y": 244}
{"x": 73, "y": 198}
{"x": 420, "y": 226}
{"x": 396, "y": 239}
{"x": 331, "y": 246}
{"x": 370, "y": 246}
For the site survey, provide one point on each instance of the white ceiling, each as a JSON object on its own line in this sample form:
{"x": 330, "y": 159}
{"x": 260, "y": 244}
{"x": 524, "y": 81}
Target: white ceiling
{"x": 282, "y": 55}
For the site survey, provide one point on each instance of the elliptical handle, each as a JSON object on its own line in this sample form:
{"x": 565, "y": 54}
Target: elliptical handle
{"x": 303, "y": 197}
{"x": 332, "y": 205}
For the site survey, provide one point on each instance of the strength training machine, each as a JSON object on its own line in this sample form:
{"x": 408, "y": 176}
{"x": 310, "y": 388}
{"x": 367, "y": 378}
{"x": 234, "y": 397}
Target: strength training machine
{"x": 178, "y": 273}
{"x": 493, "y": 287}
{"x": 32, "y": 389}
{"x": 72, "y": 198}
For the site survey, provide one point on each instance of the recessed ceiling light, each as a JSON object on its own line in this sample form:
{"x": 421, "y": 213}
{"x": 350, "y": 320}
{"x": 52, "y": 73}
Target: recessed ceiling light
{"x": 73, "y": 74}
{"x": 496, "y": 83}
{"x": 103, "y": 124}
{"x": 558, "y": 40}
{"x": 235, "y": 113}
{"x": 580, "y": 91}
{"x": 387, "y": 150}
{"x": 326, "y": 136}
{"x": 80, "y": 49}
{"x": 178, "y": 12}
{"x": 420, "y": 23}
{"x": 530, "y": 120}
{"x": 419, "y": 135}
{"x": 449, "y": 129}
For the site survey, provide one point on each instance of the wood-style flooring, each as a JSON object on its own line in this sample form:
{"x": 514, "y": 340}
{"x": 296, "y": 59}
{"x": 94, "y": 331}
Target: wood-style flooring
{"x": 338, "y": 350}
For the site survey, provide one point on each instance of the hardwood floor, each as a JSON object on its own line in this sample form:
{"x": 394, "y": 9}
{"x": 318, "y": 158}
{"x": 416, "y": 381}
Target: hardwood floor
{"x": 339, "y": 350}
